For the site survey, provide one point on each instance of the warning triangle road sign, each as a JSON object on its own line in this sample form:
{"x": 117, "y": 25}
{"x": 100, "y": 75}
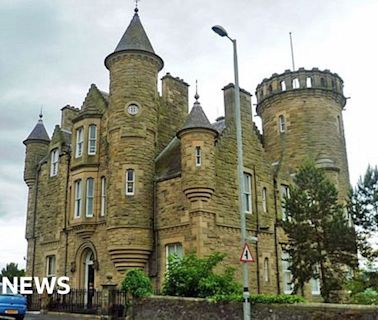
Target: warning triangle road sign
{"x": 246, "y": 255}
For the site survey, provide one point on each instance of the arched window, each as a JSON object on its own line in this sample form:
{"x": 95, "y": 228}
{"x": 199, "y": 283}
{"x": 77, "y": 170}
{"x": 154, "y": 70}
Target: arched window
{"x": 130, "y": 182}
{"x": 270, "y": 89}
{"x": 282, "y": 123}
{"x": 89, "y": 198}
{"x": 92, "y": 139}
{"x": 266, "y": 270}
{"x": 339, "y": 126}
{"x": 323, "y": 82}
{"x": 54, "y": 162}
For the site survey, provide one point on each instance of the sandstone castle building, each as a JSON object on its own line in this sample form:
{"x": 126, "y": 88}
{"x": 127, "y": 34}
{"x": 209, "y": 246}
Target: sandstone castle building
{"x": 132, "y": 176}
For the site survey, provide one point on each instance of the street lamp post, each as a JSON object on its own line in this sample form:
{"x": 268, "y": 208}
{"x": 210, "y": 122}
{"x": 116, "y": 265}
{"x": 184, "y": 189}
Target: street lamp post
{"x": 243, "y": 231}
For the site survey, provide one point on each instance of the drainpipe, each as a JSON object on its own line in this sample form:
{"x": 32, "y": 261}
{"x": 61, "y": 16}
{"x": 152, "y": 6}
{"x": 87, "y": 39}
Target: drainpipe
{"x": 34, "y": 216}
{"x": 257, "y": 231}
{"x": 155, "y": 237}
{"x": 68, "y": 154}
{"x": 275, "y": 233}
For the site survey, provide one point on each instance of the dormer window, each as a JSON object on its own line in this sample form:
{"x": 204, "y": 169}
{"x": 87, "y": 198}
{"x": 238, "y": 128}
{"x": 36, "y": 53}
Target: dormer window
{"x": 54, "y": 162}
{"x": 92, "y": 138}
{"x": 198, "y": 156}
{"x": 282, "y": 123}
{"x": 130, "y": 182}
{"x": 79, "y": 142}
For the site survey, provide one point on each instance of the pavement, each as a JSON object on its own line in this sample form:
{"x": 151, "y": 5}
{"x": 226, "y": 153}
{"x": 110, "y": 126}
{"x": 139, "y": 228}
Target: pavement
{"x": 58, "y": 316}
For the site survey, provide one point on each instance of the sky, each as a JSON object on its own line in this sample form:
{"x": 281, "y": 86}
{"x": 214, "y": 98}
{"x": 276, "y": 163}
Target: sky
{"x": 52, "y": 50}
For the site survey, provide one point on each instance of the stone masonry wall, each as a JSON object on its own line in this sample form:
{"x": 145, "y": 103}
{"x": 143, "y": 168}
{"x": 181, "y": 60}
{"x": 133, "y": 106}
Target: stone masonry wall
{"x": 167, "y": 308}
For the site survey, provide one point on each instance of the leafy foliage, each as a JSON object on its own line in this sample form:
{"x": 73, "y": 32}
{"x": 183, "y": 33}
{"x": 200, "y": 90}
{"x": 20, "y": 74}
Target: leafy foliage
{"x": 11, "y": 270}
{"x": 136, "y": 284}
{"x": 320, "y": 241}
{"x": 368, "y": 296}
{"x": 191, "y": 276}
{"x": 261, "y": 298}
{"x": 363, "y": 207}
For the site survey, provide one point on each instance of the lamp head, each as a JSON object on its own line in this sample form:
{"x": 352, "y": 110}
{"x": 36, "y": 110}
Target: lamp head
{"x": 220, "y": 30}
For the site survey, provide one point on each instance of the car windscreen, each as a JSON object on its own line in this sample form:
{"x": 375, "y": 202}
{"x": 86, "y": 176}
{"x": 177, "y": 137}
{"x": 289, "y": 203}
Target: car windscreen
{"x": 7, "y": 290}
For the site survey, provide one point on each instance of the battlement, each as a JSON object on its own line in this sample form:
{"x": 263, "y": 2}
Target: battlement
{"x": 299, "y": 80}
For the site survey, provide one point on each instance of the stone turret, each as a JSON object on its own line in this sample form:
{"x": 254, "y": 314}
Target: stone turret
{"x": 197, "y": 156}
{"x": 132, "y": 138}
{"x": 301, "y": 115}
{"x": 37, "y": 144}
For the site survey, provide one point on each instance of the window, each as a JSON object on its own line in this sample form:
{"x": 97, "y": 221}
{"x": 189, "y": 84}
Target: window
{"x": 309, "y": 82}
{"x": 282, "y": 123}
{"x": 54, "y": 162}
{"x": 264, "y": 200}
{"x": 92, "y": 137}
{"x": 286, "y": 273}
{"x": 103, "y": 196}
{"x": 79, "y": 142}
{"x": 50, "y": 266}
{"x": 323, "y": 82}
{"x": 198, "y": 156}
{"x": 315, "y": 282}
{"x": 77, "y": 209}
{"x": 266, "y": 270}
{"x": 283, "y": 86}
{"x": 130, "y": 182}
{"x": 285, "y": 193}
{"x": 295, "y": 83}
{"x": 247, "y": 203}
{"x": 89, "y": 199}
{"x": 173, "y": 248}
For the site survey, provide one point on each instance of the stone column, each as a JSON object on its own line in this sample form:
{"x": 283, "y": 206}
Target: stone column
{"x": 107, "y": 297}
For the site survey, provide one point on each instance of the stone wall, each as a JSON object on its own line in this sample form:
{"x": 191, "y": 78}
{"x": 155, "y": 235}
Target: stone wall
{"x": 167, "y": 308}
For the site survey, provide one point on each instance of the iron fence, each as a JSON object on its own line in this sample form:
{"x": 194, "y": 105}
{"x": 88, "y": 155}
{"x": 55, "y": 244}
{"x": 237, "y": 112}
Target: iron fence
{"x": 76, "y": 301}
{"x": 118, "y": 306}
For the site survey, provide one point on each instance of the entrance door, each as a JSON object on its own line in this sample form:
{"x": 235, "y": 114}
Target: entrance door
{"x": 89, "y": 279}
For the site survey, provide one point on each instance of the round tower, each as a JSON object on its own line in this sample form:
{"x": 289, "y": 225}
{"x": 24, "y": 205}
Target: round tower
{"x": 36, "y": 144}
{"x": 197, "y": 156}
{"x": 301, "y": 114}
{"x": 132, "y": 130}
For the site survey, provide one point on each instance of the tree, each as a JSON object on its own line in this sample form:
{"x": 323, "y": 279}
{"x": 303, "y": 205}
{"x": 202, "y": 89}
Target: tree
{"x": 11, "y": 271}
{"x": 320, "y": 242}
{"x": 136, "y": 284}
{"x": 363, "y": 207}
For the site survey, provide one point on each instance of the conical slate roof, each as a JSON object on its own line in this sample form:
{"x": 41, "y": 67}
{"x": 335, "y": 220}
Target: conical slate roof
{"x": 39, "y": 132}
{"x": 135, "y": 38}
{"x": 197, "y": 118}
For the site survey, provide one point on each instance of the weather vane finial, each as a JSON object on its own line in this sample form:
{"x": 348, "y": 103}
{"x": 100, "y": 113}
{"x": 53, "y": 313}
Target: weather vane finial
{"x": 41, "y": 114}
{"x": 196, "y": 95}
{"x": 136, "y": 6}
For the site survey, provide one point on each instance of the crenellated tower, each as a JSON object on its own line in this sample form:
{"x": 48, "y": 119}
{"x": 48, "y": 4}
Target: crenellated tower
{"x": 301, "y": 115}
{"x": 132, "y": 140}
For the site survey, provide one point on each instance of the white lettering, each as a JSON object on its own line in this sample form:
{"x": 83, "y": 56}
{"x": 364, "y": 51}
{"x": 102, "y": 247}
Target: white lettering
{"x": 26, "y": 282}
{"x": 11, "y": 286}
{"x": 47, "y": 283}
{"x": 64, "y": 287}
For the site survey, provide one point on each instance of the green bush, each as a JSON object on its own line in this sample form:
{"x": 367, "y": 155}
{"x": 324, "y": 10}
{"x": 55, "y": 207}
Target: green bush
{"x": 136, "y": 284}
{"x": 261, "y": 298}
{"x": 190, "y": 276}
{"x": 369, "y": 296}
